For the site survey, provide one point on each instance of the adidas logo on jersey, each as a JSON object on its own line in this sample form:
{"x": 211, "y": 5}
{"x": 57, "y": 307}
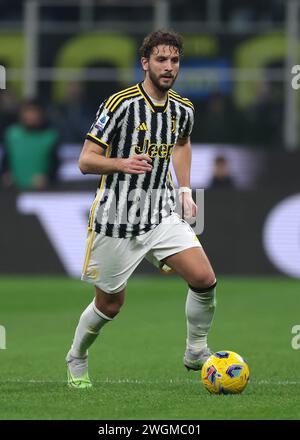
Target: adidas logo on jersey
{"x": 142, "y": 127}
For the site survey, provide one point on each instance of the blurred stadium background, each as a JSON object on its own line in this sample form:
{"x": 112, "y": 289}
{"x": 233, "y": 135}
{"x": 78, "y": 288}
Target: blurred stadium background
{"x": 60, "y": 60}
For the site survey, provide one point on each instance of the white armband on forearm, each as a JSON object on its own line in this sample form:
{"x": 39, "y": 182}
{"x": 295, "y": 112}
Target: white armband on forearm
{"x": 184, "y": 189}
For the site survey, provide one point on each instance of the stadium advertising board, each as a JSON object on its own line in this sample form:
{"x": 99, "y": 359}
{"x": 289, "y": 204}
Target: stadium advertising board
{"x": 245, "y": 232}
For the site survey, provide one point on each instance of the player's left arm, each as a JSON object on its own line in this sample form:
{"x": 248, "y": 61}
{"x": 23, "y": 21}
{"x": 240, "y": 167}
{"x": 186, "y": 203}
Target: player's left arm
{"x": 182, "y": 159}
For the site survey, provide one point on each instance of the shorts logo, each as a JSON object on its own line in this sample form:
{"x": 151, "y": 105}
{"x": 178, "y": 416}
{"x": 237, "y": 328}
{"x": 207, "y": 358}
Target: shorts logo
{"x": 102, "y": 120}
{"x": 93, "y": 273}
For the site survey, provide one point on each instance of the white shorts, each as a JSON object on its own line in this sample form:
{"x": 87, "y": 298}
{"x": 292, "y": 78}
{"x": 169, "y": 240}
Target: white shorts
{"x": 110, "y": 261}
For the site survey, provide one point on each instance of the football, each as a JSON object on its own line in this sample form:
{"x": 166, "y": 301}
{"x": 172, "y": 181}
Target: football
{"x": 225, "y": 372}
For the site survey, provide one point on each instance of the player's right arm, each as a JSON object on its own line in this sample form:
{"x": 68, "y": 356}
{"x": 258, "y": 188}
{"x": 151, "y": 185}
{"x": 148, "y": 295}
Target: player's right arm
{"x": 92, "y": 160}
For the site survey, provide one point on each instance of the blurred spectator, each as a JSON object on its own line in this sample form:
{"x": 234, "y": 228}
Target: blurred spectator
{"x": 30, "y": 147}
{"x": 264, "y": 117}
{"x": 8, "y": 110}
{"x": 218, "y": 122}
{"x": 72, "y": 115}
{"x": 221, "y": 176}
{"x": 241, "y": 18}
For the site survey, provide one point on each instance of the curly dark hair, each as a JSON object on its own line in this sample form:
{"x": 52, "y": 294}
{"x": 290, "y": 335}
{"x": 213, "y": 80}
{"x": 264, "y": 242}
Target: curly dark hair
{"x": 161, "y": 37}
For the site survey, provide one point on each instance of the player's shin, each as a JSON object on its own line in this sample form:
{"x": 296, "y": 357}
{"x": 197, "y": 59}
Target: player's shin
{"x": 200, "y": 308}
{"x": 88, "y": 328}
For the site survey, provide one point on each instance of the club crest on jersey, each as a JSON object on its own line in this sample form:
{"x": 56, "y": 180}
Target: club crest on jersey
{"x": 102, "y": 120}
{"x": 174, "y": 125}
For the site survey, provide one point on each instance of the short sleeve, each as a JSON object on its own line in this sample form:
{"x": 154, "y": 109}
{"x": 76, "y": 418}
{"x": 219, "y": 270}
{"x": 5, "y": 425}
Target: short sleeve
{"x": 103, "y": 128}
{"x": 188, "y": 124}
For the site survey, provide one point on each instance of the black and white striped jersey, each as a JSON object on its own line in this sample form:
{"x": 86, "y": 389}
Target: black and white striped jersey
{"x": 129, "y": 123}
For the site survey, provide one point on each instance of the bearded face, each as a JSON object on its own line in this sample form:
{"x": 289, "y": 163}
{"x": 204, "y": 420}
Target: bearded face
{"x": 162, "y": 67}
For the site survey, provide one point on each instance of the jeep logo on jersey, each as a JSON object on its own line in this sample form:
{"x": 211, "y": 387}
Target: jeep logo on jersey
{"x": 163, "y": 151}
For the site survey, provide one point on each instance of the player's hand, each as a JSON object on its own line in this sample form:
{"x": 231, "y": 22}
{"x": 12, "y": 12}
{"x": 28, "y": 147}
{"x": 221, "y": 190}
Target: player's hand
{"x": 189, "y": 207}
{"x": 137, "y": 164}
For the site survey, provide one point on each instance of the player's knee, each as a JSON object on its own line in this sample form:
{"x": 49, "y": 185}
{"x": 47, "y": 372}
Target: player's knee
{"x": 109, "y": 303}
{"x": 110, "y": 308}
{"x": 202, "y": 281}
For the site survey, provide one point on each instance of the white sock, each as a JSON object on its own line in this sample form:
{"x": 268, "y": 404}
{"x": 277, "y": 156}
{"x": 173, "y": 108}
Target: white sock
{"x": 200, "y": 308}
{"x": 88, "y": 328}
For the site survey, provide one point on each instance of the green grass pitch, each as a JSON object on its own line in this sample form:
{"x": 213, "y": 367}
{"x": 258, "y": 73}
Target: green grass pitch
{"x": 136, "y": 363}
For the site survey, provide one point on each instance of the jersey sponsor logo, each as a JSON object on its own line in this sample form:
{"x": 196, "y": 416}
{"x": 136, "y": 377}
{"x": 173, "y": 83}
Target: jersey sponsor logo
{"x": 102, "y": 120}
{"x": 164, "y": 151}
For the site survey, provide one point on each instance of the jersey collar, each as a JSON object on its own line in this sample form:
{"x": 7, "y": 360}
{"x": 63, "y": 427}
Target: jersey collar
{"x": 154, "y": 107}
